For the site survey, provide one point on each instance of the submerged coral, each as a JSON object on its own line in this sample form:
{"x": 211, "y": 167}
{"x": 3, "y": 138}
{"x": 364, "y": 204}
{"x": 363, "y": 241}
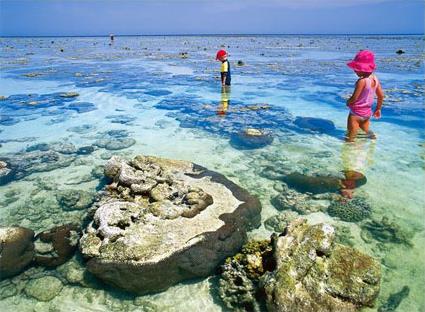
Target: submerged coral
{"x": 251, "y": 138}
{"x": 385, "y": 231}
{"x": 312, "y": 184}
{"x": 315, "y": 124}
{"x": 394, "y": 300}
{"x": 353, "y": 210}
{"x": 44, "y": 288}
{"x": 343, "y": 235}
{"x": 74, "y": 199}
{"x": 279, "y": 222}
{"x": 55, "y": 246}
{"x": 240, "y": 276}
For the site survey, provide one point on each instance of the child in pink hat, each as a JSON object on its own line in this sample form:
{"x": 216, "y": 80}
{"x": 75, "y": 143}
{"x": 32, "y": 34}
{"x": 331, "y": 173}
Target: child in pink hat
{"x": 361, "y": 102}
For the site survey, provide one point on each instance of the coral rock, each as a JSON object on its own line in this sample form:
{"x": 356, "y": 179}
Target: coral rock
{"x": 55, "y": 246}
{"x": 163, "y": 221}
{"x": 313, "y": 273}
{"x": 44, "y": 288}
{"x": 17, "y": 250}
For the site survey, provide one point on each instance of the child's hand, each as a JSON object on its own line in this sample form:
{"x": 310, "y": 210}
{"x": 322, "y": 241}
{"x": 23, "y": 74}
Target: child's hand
{"x": 377, "y": 114}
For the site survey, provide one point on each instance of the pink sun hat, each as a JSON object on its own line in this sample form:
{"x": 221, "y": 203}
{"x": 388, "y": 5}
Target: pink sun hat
{"x": 364, "y": 61}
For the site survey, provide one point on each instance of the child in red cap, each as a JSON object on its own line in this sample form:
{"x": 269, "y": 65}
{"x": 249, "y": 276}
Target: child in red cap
{"x": 361, "y": 102}
{"x": 225, "y": 68}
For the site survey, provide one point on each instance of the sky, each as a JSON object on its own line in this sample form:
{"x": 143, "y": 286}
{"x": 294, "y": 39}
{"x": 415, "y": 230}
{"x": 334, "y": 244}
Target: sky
{"x": 162, "y": 17}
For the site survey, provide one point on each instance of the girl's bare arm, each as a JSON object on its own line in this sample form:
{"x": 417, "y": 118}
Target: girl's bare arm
{"x": 380, "y": 95}
{"x": 360, "y": 84}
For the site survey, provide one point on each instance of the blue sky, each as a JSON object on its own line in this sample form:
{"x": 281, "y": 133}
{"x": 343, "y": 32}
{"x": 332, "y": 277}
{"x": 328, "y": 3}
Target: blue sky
{"x": 148, "y": 17}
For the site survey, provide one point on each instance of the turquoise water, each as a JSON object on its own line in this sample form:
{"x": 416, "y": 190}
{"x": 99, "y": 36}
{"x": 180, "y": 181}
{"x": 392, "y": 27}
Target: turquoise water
{"x": 161, "y": 104}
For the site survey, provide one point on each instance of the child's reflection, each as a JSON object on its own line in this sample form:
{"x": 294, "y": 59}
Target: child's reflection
{"x": 225, "y": 99}
{"x": 356, "y": 158}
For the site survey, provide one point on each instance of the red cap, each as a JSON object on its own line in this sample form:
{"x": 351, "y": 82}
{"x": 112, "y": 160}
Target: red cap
{"x": 220, "y": 54}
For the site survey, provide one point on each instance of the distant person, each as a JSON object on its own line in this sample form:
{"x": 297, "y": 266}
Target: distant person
{"x": 225, "y": 67}
{"x": 112, "y": 37}
{"x": 361, "y": 102}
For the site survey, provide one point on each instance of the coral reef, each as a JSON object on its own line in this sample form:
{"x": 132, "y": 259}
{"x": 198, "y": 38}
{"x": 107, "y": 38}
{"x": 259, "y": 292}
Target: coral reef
{"x": 353, "y": 210}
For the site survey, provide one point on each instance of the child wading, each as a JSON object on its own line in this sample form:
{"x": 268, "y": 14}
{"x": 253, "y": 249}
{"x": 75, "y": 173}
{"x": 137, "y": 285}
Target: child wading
{"x": 361, "y": 102}
{"x": 225, "y": 67}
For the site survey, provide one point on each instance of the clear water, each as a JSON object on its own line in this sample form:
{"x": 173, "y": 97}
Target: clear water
{"x": 168, "y": 105}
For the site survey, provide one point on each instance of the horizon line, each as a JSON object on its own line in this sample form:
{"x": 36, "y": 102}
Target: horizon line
{"x": 211, "y": 35}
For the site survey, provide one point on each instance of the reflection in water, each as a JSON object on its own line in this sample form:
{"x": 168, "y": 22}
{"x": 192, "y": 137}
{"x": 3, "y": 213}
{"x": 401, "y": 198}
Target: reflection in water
{"x": 224, "y": 102}
{"x": 356, "y": 158}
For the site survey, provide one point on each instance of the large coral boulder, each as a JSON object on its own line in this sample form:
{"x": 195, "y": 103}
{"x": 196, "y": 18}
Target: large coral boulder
{"x": 16, "y": 250}
{"x": 163, "y": 221}
{"x": 313, "y": 273}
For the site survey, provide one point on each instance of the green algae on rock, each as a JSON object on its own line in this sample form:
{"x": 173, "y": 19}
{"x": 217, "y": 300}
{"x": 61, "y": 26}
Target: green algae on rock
{"x": 162, "y": 221}
{"x": 302, "y": 269}
{"x": 313, "y": 273}
{"x": 238, "y": 286}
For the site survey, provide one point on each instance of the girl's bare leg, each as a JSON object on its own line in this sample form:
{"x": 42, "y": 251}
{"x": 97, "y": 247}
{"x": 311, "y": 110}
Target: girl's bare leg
{"x": 365, "y": 127}
{"x": 352, "y": 127}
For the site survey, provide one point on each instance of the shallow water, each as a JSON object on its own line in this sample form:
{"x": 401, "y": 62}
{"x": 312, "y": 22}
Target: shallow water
{"x": 162, "y": 104}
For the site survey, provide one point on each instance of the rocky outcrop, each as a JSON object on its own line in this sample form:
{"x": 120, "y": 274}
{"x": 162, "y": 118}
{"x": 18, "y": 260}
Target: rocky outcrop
{"x": 302, "y": 269}
{"x": 16, "y": 251}
{"x": 313, "y": 273}
{"x": 163, "y": 221}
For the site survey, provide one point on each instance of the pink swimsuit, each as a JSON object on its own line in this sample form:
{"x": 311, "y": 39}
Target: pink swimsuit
{"x": 362, "y": 107}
